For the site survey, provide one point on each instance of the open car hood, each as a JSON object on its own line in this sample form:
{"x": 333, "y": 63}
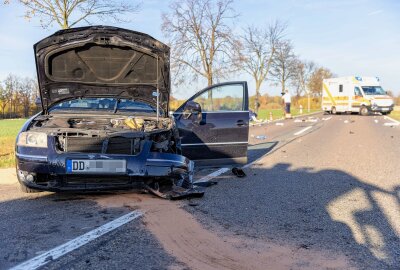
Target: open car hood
{"x": 102, "y": 61}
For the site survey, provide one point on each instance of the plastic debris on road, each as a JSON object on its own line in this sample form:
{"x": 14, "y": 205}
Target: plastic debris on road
{"x": 279, "y": 124}
{"x": 261, "y": 137}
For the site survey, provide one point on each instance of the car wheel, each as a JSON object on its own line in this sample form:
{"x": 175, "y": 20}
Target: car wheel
{"x": 333, "y": 111}
{"x": 26, "y": 189}
{"x": 385, "y": 113}
{"x": 364, "y": 111}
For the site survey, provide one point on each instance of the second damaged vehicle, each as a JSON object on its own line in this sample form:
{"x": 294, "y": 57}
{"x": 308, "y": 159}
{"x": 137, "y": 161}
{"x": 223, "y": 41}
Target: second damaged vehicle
{"x": 105, "y": 121}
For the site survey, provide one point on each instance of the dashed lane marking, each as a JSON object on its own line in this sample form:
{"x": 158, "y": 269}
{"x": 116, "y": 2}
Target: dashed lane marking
{"x": 63, "y": 249}
{"x": 302, "y": 131}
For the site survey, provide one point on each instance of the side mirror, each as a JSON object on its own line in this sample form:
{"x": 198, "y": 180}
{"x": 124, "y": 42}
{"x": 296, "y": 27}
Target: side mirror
{"x": 38, "y": 102}
{"x": 192, "y": 108}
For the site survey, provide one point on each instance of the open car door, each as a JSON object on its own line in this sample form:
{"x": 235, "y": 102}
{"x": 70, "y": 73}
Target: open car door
{"x": 214, "y": 125}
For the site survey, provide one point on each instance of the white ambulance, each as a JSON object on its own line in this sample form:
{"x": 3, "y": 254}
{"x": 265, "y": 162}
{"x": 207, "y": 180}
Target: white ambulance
{"x": 355, "y": 94}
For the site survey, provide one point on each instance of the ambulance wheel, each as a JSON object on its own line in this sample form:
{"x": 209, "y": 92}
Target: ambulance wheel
{"x": 364, "y": 111}
{"x": 333, "y": 110}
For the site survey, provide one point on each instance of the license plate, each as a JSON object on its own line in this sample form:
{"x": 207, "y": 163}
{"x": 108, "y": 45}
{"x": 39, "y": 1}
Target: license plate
{"x": 96, "y": 166}
{"x": 385, "y": 109}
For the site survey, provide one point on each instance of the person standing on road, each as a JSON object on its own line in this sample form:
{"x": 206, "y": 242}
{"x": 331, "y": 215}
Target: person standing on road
{"x": 287, "y": 99}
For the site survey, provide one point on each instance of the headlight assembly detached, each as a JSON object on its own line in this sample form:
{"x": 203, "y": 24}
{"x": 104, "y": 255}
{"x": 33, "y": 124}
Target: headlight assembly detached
{"x": 32, "y": 139}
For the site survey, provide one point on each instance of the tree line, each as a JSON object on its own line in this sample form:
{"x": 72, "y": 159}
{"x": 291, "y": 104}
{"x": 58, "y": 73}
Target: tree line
{"x": 204, "y": 44}
{"x": 17, "y": 96}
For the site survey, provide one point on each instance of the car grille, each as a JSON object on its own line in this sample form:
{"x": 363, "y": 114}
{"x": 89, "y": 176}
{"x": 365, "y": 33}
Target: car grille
{"x": 115, "y": 145}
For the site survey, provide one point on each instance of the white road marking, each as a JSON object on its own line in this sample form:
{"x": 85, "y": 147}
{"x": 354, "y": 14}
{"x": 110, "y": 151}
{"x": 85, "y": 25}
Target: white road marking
{"x": 301, "y": 131}
{"x": 391, "y": 119}
{"x": 63, "y": 249}
{"x": 326, "y": 119}
{"x": 212, "y": 175}
{"x": 391, "y": 124}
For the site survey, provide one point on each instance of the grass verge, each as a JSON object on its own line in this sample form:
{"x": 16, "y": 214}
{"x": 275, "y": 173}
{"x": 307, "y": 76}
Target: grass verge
{"x": 9, "y": 129}
{"x": 278, "y": 113}
{"x": 395, "y": 115}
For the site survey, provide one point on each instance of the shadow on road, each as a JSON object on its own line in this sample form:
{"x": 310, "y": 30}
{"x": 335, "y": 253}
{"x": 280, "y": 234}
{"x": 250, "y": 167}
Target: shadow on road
{"x": 327, "y": 209}
{"x": 313, "y": 210}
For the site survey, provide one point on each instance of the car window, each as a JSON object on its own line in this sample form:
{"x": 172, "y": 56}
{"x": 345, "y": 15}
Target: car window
{"x": 222, "y": 98}
{"x": 357, "y": 92}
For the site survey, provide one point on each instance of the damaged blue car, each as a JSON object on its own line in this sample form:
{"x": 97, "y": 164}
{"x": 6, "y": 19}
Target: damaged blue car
{"x": 105, "y": 122}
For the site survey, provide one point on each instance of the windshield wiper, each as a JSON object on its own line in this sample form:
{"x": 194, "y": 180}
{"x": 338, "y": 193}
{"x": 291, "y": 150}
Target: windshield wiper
{"x": 116, "y": 105}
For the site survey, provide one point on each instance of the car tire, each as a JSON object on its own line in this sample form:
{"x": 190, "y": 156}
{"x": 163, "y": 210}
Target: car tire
{"x": 26, "y": 189}
{"x": 364, "y": 111}
{"x": 333, "y": 110}
{"x": 385, "y": 113}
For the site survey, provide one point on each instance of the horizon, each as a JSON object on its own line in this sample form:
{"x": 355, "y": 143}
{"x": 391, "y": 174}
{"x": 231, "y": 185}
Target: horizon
{"x": 351, "y": 38}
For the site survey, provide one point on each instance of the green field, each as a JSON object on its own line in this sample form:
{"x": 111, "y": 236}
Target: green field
{"x": 278, "y": 113}
{"x": 8, "y": 131}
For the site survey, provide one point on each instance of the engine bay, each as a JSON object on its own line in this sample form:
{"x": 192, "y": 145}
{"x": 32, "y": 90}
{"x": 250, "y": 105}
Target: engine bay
{"x": 107, "y": 134}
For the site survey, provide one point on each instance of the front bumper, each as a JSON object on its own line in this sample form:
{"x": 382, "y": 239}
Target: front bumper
{"x": 376, "y": 108}
{"x": 45, "y": 169}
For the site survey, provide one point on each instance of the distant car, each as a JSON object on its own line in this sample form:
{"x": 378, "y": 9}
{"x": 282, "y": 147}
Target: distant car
{"x": 105, "y": 122}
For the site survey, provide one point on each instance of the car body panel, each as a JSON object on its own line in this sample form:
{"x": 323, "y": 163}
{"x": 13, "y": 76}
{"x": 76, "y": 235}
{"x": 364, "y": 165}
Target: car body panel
{"x": 221, "y": 137}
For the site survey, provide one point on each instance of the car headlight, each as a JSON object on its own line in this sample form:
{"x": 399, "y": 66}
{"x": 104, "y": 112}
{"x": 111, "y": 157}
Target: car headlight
{"x": 32, "y": 139}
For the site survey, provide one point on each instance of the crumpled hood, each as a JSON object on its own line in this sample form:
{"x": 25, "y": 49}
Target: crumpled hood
{"x": 102, "y": 61}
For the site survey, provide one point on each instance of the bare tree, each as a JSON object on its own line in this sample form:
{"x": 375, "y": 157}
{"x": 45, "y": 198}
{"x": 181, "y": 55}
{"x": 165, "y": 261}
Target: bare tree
{"x": 68, "y": 13}
{"x": 201, "y": 38}
{"x": 302, "y": 73}
{"x": 5, "y": 96}
{"x": 12, "y": 85}
{"x": 259, "y": 47}
{"x": 26, "y": 94}
{"x": 315, "y": 81}
{"x": 283, "y": 65}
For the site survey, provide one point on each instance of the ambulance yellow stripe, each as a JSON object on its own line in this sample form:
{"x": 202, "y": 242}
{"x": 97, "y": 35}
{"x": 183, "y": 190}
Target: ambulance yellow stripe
{"x": 329, "y": 94}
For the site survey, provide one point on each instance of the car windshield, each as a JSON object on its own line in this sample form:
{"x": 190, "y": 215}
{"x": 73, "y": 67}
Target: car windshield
{"x": 373, "y": 90}
{"x": 104, "y": 105}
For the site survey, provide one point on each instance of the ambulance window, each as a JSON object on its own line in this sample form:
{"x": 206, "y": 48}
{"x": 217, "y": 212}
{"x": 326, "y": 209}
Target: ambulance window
{"x": 357, "y": 92}
{"x": 340, "y": 88}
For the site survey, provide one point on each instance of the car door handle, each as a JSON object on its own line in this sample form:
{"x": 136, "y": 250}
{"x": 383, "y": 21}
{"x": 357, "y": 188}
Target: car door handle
{"x": 240, "y": 123}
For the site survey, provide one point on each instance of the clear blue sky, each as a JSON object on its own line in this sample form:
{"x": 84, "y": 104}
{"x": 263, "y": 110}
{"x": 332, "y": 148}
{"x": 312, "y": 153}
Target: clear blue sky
{"x": 350, "y": 37}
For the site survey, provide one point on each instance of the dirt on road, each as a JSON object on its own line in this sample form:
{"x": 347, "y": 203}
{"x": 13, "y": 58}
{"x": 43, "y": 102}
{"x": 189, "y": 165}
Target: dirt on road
{"x": 183, "y": 237}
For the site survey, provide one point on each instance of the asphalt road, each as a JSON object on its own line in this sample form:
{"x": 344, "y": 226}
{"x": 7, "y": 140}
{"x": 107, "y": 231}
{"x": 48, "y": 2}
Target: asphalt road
{"x": 320, "y": 193}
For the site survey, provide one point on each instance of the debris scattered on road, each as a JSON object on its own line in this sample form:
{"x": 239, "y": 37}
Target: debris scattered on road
{"x": 252, "y": 135}
{"x": 299, "y": 120}
{"x": 261, "y": 137}
{"x": 376, "y": 120}
{"x": 193, "y": 204}
{"x": 238, "y": 172}
{"x": 173, "y": 192}
{"x": 312, "y": 119}
{"x": 279, "y": 124}
{"x": 326, "y": 119}
{"x": 304, "y": 246}
{"x": 346, "y": 121}
{"x": 351, "y": 132}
